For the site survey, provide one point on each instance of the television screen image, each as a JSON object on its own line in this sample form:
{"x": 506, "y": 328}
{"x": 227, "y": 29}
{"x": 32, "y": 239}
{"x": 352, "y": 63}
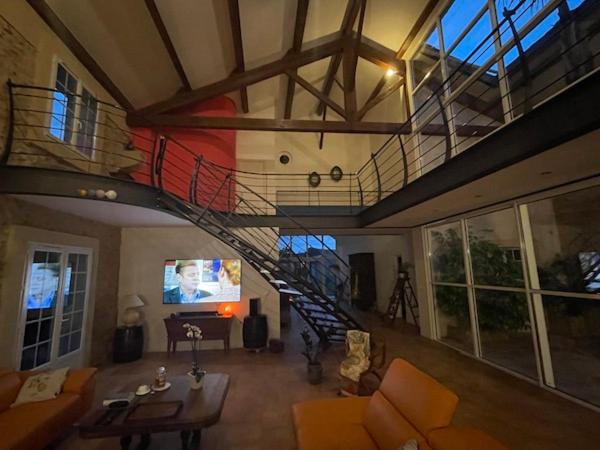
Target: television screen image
{"x": 202, "y": 281}
{"x": 43, "y": 285}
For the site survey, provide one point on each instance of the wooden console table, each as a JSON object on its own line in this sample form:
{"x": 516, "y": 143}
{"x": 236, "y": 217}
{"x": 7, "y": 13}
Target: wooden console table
{"x": 213, "y": 328}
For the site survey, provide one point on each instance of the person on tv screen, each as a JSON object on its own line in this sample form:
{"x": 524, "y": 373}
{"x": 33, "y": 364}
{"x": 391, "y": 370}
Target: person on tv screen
{"x": 189, "y": 278}
{"x": 229, "y": 273}
{"x": 43, "y": 287}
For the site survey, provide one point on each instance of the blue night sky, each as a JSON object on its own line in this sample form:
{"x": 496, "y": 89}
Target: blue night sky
{"x": 461, "y": 12}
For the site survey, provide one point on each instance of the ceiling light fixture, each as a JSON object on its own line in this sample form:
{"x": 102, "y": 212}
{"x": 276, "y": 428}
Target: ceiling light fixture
{"x": 391, "y": 72}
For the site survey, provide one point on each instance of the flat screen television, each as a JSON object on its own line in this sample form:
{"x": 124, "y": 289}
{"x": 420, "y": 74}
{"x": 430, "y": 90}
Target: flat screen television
{"x": 193, "y": 281}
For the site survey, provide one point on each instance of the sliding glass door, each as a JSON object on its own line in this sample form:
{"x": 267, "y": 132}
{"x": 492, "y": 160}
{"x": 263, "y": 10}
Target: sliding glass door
{"x": 520, "y": 287}
{"x": 54, "y": 307}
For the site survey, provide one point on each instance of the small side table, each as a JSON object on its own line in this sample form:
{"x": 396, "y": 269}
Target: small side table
{"x": 128, "y": 344}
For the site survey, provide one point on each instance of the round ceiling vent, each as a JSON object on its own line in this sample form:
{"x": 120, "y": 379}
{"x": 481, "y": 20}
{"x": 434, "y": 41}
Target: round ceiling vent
{"x": 285, "y": 158}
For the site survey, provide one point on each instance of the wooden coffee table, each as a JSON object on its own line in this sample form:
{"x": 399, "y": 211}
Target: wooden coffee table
{"x": 200, "y": 409}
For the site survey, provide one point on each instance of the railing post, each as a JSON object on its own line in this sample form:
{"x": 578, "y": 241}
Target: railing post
{"x": 508, "y": 13}
{"x": 162, "y": 149}
{"x": 374, "y": 159}
{"x": 194, "y": 181}
{"x": 215, "y": 195}
{"x": 360, "y": 191}
{"x": 11, "y": 125}
{"x": 404, "y": 162}
{"x": 447, "y": 137}
{"x": 229, "y": 190}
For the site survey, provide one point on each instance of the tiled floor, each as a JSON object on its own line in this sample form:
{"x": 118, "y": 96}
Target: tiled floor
{"x": 257, "y": 412}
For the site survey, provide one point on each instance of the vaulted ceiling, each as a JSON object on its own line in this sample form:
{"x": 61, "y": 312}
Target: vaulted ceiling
{"x": 162, "y": 54}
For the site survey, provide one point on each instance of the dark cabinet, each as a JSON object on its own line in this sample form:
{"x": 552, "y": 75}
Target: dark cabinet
{"x": 363, "y": 292}
{"x": 128, "y": 344}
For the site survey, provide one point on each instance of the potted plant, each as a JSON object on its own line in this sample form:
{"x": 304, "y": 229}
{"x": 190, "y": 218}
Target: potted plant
{"x": 311, "y": 352}
{"x": 196, "y": 374}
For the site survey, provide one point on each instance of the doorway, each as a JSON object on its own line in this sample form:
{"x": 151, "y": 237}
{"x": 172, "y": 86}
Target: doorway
{"x": 54, "y": 307}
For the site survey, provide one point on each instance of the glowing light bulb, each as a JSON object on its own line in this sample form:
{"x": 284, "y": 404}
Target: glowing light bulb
{"x": 390, "y": 72}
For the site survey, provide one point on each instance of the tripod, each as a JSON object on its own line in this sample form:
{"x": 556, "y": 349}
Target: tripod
{"x": 402, "y": 296}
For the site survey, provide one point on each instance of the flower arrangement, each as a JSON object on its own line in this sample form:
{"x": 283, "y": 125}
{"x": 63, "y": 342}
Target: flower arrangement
{"x": 194, "y": 333}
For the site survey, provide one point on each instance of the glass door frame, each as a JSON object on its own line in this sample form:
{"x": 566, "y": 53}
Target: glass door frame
{"x": 64, "y": 251}
{"x": 532, "y": 288}
{"x": 536, "y": 316}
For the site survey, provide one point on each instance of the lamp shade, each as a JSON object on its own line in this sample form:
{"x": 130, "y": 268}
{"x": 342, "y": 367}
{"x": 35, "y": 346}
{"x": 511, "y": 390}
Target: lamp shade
{"x": 132, "y": 301}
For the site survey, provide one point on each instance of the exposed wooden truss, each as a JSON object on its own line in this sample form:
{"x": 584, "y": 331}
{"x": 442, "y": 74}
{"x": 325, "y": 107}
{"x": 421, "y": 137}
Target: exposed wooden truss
{"x": 345, "y": 46}
{"x": 316, "y": 50}
{"x": 350, "y": 14}
{"x": 59, "y": 28}
{"x": 244, "y": 123}
{"x": 301, "y": 13}
{"x": 293, "y": 75}
{"x": 329, "y": 45}
{"x": 238, "y": 47}
{"x": 164, "y": 35}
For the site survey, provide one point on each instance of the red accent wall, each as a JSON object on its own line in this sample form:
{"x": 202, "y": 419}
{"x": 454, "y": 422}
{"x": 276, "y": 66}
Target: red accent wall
{"x": 216, "y": 146}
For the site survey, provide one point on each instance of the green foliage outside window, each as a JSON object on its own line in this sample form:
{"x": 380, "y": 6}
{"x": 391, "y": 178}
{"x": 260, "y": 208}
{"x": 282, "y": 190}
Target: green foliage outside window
{"x": 496, "y": 310}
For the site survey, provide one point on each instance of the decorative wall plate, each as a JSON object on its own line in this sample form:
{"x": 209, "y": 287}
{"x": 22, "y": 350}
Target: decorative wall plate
{"x": 314, "y": 179}
{"x": 336, "y": 173}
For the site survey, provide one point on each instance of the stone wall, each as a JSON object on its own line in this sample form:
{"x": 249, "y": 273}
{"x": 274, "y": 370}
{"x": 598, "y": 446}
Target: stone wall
{"x": 17, "y": 212}
{"x": 17, "y": 59}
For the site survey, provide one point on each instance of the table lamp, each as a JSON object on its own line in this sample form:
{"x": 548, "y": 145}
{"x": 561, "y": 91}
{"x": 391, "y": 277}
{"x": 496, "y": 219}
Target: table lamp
{"x": 131, "y": 316}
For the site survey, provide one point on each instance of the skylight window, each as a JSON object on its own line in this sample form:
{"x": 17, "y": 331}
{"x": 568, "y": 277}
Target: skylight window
{"x": 301, "y": 244}
{"x": 454, "y": 21}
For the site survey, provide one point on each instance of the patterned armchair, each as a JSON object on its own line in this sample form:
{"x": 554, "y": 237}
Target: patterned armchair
{"x": 365, "y": 354}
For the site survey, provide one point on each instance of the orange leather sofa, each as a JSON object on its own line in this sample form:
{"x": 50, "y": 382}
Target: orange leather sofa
{"x": 408, "y": 404}
{"x": 32, "y": 426}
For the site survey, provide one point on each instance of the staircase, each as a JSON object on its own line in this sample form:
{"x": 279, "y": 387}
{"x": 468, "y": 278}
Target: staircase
{"x": 326, "y": 316}
{"x": 220, "y": 200}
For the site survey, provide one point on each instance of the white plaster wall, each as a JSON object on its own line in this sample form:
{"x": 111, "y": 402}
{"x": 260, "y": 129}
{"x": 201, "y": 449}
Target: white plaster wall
{"x": 386, "y": 250}
{"x": 143, "y": 252}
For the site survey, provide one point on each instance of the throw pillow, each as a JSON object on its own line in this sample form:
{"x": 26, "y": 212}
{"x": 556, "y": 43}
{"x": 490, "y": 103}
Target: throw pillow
{"x": 411, "y": 444}
{"x": 40, "y": 387}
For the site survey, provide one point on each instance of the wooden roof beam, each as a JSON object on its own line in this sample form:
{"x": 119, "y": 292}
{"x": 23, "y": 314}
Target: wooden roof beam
{"x": 314, "y": 91}
{"x": 301, "y": 13}
{"x": 63, "y": 33}
{"x": 316, "y": 50}
{"x": 164, "y": 35}
{"x": 238, "y": 47}
{"x": 352, "y": 9}
{"x": 244, "y": 123}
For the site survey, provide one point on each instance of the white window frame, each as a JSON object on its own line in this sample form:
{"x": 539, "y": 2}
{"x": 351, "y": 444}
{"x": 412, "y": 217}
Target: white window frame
{"x": 58, "y": 313}
{"x": 77, "y": 124}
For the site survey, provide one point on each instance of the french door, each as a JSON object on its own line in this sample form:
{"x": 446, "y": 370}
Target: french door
{"x": 54, "y": 307}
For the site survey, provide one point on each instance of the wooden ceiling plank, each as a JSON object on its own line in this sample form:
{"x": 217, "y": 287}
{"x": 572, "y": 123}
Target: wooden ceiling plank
{"x": 164, "y": 35}
{"x": 63, "y": 33}
{"x": 245, "y": 123}
{"x": 318, "y": 49}
{"x": 314, "y": 91}
{"x": 301, "y": 14}
{"x": 238, "y": 47}
{"x": 352, "y": 9}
